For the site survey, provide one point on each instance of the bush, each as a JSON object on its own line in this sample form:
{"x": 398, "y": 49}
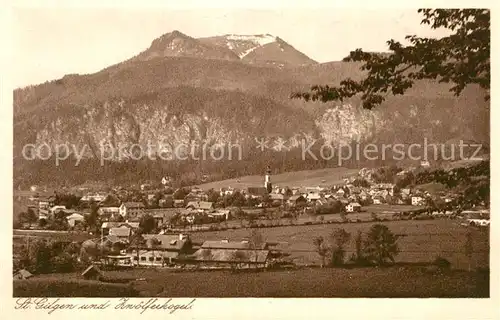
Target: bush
{"x": 338, "y": 256}
{"x": 360, "y": 261}
{"x": 442, "y": 263}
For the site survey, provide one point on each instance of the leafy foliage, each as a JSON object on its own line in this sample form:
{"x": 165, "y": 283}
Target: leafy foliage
{"x": 321, "y": 248}
{"x": 92, "y": 219}
{"x": 67, "y": 200}
{"x": 380, "y": 245}
{"x": 339, "y": 238}
{"x": 147, "y": 223}
{"x": 181, "y": 193}
{"x": 461, "y": 58}
{"x": 42, "y": 256}
{"x": 28, "y": 216}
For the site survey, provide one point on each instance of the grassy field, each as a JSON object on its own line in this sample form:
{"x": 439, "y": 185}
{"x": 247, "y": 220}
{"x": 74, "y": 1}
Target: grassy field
{"x": 396, "y": 281}
{"x": 311, "y": 178}
{"x": 389, "y": 208}
{"x": 422, "y": 241}
{"x": 391, "y": 282}
{"x": 60, "y": 286}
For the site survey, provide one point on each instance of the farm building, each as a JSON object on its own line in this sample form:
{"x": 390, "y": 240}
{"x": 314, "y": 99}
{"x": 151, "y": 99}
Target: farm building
{"x": 160, "y": 250}
{"x": 74, "y": 219}
{"x": 131, "y": 210}
{"x": 107, "y": 226}
{"x": 417, "y": 201}
{"x": 123, "y": 232}
{"x": 353, "y": 207}
{"x": 22, "y": 275}
{"x": 200, "y": 206}
{"x": 178, "y": 203}
{"x": 108, "y": 211}
{"x": 233, "y": 253}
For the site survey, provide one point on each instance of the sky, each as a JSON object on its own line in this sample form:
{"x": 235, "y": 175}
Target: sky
{"x": 51, "y": 42}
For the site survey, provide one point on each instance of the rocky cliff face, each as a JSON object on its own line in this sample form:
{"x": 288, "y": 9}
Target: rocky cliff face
{"x": 344, "y": 124}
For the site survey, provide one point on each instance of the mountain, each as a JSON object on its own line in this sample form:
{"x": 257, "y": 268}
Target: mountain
{"x": 263, "y": 49}
{"x": 219, "y": 91}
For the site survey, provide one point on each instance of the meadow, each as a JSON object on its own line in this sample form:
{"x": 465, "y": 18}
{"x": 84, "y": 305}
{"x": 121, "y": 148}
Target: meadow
{"x": 420, "y": 240}
{"x": 320, "y": 177}
{"x": 64, "y": 285}
{"x": 396, "y": 281}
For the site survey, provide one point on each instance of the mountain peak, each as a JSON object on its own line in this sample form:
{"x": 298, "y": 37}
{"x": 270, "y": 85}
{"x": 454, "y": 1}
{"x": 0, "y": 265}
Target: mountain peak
{"x": 178, "y": 44}
{"x": 176, "y": 33}
{"x": 167, "y": 38}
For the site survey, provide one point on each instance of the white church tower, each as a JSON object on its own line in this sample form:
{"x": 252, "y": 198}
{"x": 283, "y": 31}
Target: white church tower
{"x": 267, "y": 181}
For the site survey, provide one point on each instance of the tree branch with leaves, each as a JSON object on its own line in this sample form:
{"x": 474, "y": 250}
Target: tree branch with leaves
{"x": 461, "y": 58}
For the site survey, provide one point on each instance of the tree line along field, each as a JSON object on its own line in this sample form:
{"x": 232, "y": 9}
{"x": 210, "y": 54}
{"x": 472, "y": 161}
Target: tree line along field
{"x": 421, "y": 241}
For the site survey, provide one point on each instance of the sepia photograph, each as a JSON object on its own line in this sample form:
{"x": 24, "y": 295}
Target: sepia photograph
{"x": 265, "y": 153}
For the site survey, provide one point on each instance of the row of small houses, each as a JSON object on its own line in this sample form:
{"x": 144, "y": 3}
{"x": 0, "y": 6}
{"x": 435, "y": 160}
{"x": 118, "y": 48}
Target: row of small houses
{"x": 349, "y": 195}
{"x": 162, "y": 250}
{"x": 134, "y": 211}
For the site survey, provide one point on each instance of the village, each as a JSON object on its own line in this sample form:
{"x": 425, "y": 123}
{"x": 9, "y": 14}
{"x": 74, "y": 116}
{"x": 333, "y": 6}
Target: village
{"x": 150, "y": 227}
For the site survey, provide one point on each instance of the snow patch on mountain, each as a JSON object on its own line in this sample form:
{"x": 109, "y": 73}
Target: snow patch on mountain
{"x": 256, "y": 40}
{"x": 261, "y": 39}
{"x": 246, "y": 52}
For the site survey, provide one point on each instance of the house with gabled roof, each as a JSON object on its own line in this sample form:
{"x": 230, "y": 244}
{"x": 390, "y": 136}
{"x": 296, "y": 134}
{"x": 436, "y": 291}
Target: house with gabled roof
{"x": 353, "y": 207}
{"x": 240, "y": 253}
{"x": 123, "y": 232}
{"x": 179, "y": 203}
{"x": 340, "y": 192}
{"x": 417, "y": 201}
{"x": 277, "y": 198}
{"x": 204, "y": 206}
{"x": 364, "y": 195}
{"x": 74, "y": 219}
{"x": 22, "y": 274}
{"x": 313, "y": 196}
{"x": 131, "y": 210}
{"x": 108, "y": 225}
{"x": 378, "y": 200}
{"x": 107, "y": 212}
{"x": 161, "y": 249}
